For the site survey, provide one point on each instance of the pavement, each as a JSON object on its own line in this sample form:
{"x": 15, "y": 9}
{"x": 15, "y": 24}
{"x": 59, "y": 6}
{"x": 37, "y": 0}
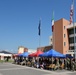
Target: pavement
{"x": 12, "y": 69}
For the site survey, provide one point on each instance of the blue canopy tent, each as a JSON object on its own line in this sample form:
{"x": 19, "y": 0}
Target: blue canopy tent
{"x": 43, "y": 55}
{"x": 52, "y": 53}
{"x": 68, "y": 56}
{"x": 25, "y": 54}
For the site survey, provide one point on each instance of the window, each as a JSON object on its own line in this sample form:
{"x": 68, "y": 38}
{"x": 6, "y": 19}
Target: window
{"x": 64, "y": 43}
{"x": 71, "y": 48}
{"x": 64, "y": 35}
{"x": 71, "y": 40}
{"x": 75, "y": 39}
{"x": 64, "y": 27}
{"x": 71, "y": 31}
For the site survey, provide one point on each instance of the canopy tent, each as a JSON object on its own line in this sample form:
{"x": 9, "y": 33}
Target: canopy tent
{"x": 15, "y": 55}
{"x": 52, "y": 53}
{"x": 68, "y": 56}
{"x": 25, "y": 54}
{"x": 32, "y": 54}
{"x": 36, "y": 54}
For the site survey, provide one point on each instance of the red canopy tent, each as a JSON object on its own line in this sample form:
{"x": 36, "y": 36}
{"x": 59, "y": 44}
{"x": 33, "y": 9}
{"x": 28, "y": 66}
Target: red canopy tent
{"x": 15, "y": 55}
{"x": 36, "y": 54}
{"x": 32, "y": 54}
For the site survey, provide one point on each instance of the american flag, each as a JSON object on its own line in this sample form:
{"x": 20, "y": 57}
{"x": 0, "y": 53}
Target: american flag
{"x": 71, "y": 13}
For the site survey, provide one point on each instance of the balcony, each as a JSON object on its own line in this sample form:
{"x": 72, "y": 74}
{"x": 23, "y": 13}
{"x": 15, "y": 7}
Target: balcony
{"x": 71, "y": 26}
{"x": 70, "y": 52}
{"x": 72, "y": 35}
{"x": 72, "y": 44}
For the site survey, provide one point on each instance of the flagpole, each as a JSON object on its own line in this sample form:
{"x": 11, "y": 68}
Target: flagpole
{"x": 53, "y": 34}
{"x": 40, "y": 42}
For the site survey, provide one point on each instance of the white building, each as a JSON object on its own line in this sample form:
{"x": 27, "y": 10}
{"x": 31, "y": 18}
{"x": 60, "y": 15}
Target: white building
{"x": 5, "y": 54}
{"x": 32, "y": 50}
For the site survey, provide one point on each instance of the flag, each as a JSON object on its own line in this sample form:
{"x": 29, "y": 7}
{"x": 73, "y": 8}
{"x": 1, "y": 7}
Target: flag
{"x": 53, "y": 22}
{"x": 39, "y": 28}
{"x": 71, "y": 12}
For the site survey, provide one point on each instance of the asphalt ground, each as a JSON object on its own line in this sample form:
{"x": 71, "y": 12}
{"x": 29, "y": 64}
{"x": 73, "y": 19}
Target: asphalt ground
{"x": 12, "y": 69}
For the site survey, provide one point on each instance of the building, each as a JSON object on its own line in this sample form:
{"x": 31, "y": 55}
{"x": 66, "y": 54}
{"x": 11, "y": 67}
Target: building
{"x": 32, "y": 51}
{"x": 45, "y": 48}
{"x": 4, "y": 54}
{"x": 22, "y": 49}
{"x": 70, "y": 30}
{"x": 63, "y": 36}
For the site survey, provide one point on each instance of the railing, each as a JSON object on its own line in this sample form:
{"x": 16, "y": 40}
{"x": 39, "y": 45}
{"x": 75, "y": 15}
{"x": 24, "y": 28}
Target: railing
{"x": 70, "y": 51}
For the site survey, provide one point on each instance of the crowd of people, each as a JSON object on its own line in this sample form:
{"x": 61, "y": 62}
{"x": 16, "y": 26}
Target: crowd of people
{"x": 47, "y": 63}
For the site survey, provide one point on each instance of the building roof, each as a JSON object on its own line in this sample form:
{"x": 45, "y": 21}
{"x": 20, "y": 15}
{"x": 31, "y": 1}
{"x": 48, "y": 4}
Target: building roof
{"x": 5, "y": 52}
{"x": 62, "y": 19}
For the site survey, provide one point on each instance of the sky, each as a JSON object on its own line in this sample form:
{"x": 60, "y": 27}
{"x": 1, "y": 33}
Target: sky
{"x": 19, "y": 20}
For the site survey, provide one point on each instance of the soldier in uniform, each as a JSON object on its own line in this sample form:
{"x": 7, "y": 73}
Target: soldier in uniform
{"x": 72, "y": 65}
{"x": 65, "y": 63}
{"x": 57, "y": 64}
{"x": 75, "y": 66}
{"x": 68, "y": 63}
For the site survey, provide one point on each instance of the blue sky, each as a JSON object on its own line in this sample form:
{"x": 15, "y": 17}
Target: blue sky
{"x": 19, "y": 20}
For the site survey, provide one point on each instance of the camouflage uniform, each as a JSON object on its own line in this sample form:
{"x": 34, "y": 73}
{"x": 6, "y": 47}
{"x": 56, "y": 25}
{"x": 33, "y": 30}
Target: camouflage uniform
{"x": 73, "y": 65}
{"x": 57, "y": 65}
{"x": 65, "y": 64}
{"x": 68, "y": 63}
